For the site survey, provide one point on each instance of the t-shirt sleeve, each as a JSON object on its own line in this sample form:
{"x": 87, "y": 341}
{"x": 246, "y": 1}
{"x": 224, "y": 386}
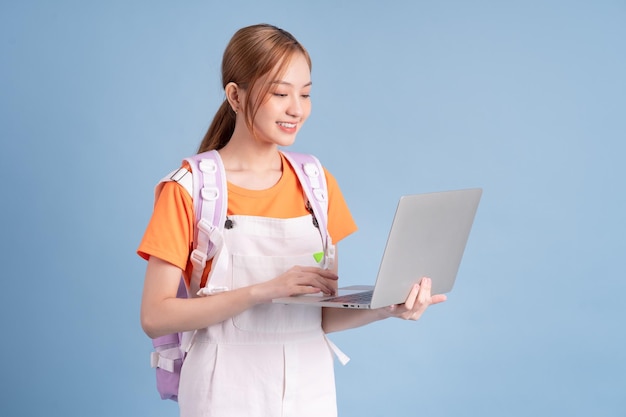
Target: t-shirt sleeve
{"x": 169, "y": 233}
{"x": 340, "y": 221}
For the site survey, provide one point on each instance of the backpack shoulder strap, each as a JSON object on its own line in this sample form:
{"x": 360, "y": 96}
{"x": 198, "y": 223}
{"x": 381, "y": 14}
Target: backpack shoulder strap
{"x": 206, "y": 184}
{"x": 210, "y": 198}
{"x": 311, "y": 175}
{"x": 209, "y": 187}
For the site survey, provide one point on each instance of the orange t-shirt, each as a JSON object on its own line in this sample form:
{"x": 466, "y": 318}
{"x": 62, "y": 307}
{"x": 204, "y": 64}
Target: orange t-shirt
{"x": 170, "y": 232}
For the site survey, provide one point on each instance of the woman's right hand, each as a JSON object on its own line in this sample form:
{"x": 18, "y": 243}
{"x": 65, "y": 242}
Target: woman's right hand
{"x": 298, "y": 280}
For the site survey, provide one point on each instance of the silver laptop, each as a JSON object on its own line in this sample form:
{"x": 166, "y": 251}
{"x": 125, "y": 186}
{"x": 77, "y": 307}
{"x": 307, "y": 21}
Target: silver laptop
{"x": 427, "y": 239}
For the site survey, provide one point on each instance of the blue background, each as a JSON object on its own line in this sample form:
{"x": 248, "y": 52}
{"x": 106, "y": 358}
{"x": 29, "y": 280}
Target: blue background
{"x": 526, "y": 99}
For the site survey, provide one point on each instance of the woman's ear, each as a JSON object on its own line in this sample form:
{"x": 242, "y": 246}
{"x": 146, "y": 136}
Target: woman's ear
{"x": 233, "y": 95}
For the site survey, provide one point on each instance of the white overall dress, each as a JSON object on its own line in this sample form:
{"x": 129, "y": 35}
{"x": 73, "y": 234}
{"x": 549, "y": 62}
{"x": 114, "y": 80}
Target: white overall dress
{"x": 271, "y": 360}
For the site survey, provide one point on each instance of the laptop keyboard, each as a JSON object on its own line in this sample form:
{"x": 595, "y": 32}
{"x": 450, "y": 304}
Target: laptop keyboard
{"x": 358, "y": 298}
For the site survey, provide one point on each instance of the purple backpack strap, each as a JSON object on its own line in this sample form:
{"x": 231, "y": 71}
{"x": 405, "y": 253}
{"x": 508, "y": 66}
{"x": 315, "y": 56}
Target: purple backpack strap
{"x": 207, "y": 189}
{"x": 313, "y": 180}
{"x": 210, "y": 198}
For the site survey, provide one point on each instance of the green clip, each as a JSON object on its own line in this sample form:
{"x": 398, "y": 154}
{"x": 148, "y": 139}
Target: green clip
{"x": 318, "y": 256}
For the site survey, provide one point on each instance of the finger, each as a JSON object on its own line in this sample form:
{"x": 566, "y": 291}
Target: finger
{"x": 424, "y": 295}
{"x": 328, "y": 279}
{"x": 438, "y": 298}
{"x": 328, "y": 274}
{"x": 329, "y": 286}
{"x": 307, "y": 289}
{"x": 410, "y": 299}
{"x": 325, "y": 273}
{"x": 318, "y": 283}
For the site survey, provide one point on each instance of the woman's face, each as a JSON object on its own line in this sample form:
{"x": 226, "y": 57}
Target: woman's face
{"x": 288, "y": 105}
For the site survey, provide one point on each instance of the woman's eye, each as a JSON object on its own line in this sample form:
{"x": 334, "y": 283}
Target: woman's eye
{"x": 276, "y": 94}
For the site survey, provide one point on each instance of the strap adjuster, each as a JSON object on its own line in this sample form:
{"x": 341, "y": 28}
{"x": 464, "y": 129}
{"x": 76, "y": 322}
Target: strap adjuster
{"x": 207, "y": 166}
{"x": 311, "y": 170}
{"x": 205, "y": 226}
{"x": 210, "y": 193}
{"x": 198, "y": 258}
{"x": 319, "y": 194}
{"x": 179, "y": 174}
{"x": 329, "y": 257}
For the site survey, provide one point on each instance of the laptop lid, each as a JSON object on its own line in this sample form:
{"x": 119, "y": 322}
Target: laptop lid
{"x": 427, "y": 239}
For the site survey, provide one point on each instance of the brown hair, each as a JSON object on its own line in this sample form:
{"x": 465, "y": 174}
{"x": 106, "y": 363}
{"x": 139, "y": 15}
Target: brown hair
{"x": 252, "y": 52}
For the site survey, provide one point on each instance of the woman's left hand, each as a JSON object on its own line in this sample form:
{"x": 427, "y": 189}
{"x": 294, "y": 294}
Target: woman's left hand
{"x": 417, "y": 301}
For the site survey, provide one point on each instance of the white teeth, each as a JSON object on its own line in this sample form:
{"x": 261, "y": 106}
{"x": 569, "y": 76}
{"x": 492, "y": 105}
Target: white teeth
{"x": 287, "y": 125}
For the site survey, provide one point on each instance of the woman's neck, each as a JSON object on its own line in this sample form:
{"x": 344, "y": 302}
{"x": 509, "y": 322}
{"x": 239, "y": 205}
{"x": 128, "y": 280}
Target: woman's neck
{"x": 251, "y": 165}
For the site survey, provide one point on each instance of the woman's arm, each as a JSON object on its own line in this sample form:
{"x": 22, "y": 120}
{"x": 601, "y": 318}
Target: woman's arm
{"x": 337, "y": 319}
{"x": 418, "y": 300}
{"x": 163, "y": 313}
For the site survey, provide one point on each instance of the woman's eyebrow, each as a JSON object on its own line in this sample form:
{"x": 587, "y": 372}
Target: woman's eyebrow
{"x": 290, "y": 84}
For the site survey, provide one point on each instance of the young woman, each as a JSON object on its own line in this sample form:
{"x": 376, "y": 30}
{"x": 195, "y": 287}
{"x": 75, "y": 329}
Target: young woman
{"x": 250, "y": 357}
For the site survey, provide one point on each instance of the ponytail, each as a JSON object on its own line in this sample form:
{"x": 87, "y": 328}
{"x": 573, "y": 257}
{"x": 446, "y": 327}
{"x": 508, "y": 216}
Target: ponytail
{"x": 221, "y": 129}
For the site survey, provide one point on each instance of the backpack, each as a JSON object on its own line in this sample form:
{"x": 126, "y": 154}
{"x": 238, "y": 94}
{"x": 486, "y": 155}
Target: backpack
{"x": 206, "y": 184}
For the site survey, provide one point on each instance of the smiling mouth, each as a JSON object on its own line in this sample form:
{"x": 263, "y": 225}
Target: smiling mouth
{"x": 287, "y": 125}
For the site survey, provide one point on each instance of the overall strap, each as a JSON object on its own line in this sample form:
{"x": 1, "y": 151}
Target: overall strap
{"x": 311, "y": 175}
